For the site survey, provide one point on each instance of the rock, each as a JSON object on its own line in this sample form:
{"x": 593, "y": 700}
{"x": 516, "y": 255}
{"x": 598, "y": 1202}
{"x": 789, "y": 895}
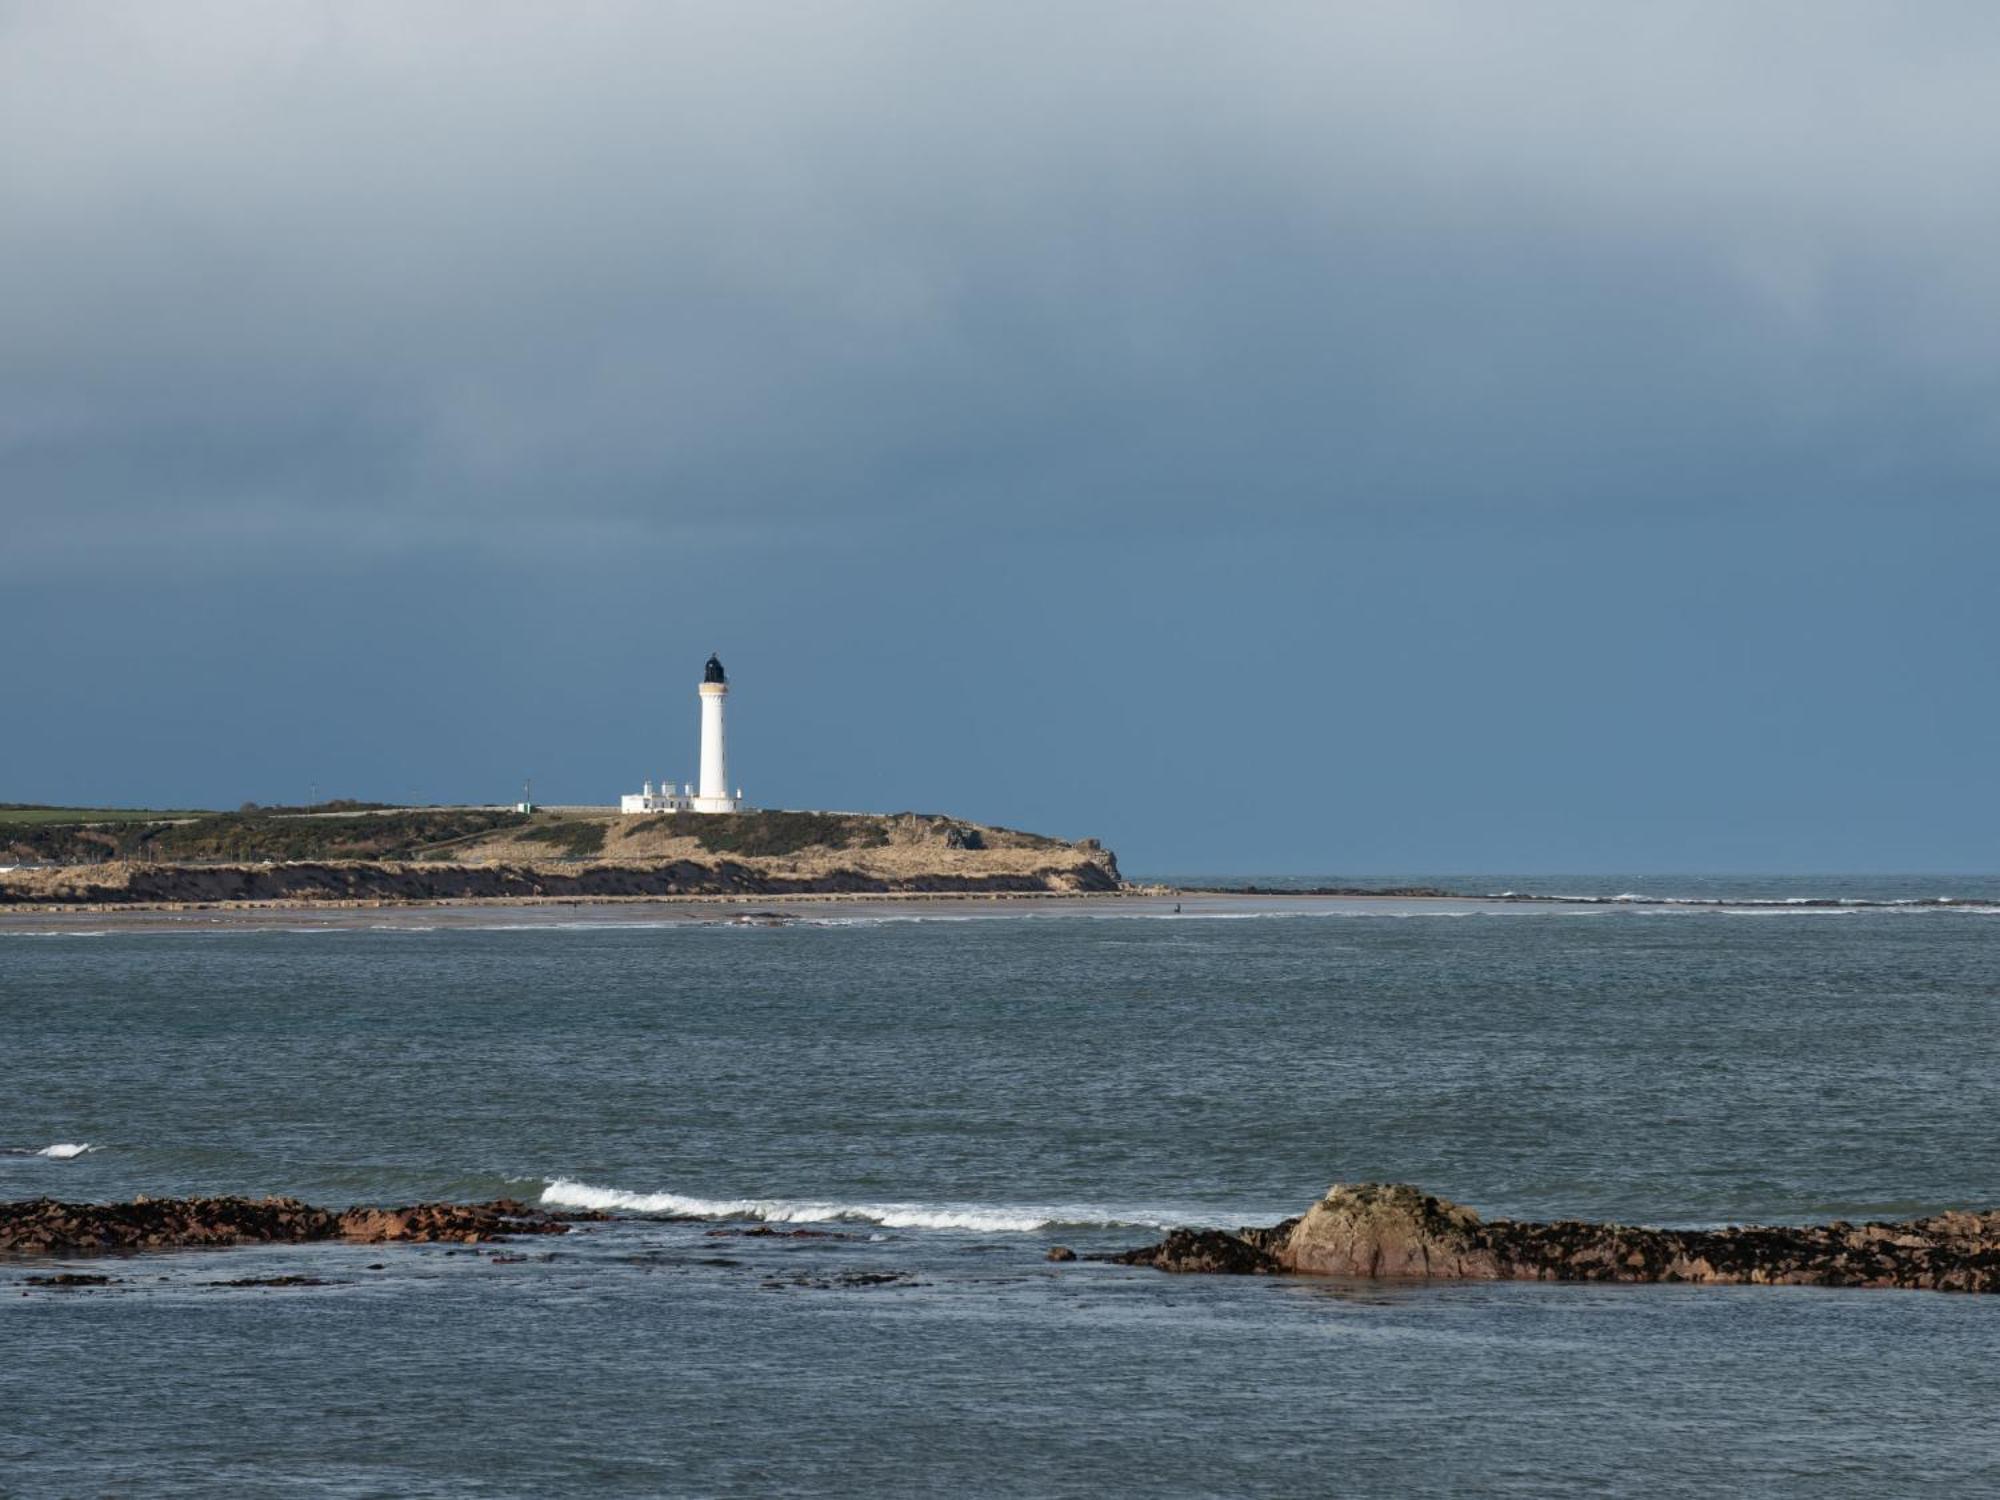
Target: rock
{"x": 43, "y": 1226}
{"x": 1393, "y": 1230}
{"x": 1215, "y": 1251}
{"x": 275, "y": 1281}
{"x": 465, "y": 1223}
{"x": 766, "y": 1232}
{"x": 1385, "y": 1229}
{"x": 845, "y": 1280}
{"x": 1060, "y": 1252}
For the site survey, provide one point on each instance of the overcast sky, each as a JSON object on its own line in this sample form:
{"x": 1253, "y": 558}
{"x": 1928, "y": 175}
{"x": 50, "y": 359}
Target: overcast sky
{"x": 1330, "y": 438}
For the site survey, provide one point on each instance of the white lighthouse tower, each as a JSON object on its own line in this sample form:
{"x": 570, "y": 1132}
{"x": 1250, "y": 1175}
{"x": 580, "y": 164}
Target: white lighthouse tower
{"x": 712, "y": 795}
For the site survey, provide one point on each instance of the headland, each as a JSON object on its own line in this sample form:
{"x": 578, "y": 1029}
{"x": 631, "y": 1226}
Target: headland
{"x": 373, "y": 856}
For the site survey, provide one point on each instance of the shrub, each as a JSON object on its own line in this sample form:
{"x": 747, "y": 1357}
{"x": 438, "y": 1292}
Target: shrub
{"x": 575, "y": 838}
{"x": 767, "y": 834}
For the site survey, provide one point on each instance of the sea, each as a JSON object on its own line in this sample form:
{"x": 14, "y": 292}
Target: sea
{"x": 841, "y": 1147}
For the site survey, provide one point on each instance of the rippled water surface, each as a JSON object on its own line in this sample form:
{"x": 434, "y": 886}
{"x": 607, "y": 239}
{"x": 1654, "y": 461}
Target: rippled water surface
{"x": 946, "y": 1099}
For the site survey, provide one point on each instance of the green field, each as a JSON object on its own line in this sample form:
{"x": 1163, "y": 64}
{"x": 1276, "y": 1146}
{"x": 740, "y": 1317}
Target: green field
{"x": 82, "y": 835}
{"x": 23, "y": 812}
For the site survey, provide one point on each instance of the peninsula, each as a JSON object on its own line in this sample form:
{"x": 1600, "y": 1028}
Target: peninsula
{"x": 694, "y": 839}
{"x": 365, "y": 853}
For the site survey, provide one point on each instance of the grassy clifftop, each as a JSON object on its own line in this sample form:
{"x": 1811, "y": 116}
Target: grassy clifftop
{"x": 792, "y": 843}
{"x": 40, "y": 835}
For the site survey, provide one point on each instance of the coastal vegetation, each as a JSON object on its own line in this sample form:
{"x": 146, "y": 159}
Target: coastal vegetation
{"x": 494, "y": 853}
{"x": 770, "y": 834}
{"x": 348, "y": 829}
{"x": 259, "y": 834}
{"x": 573, "y": 837}
{"x": 30, "y": 813}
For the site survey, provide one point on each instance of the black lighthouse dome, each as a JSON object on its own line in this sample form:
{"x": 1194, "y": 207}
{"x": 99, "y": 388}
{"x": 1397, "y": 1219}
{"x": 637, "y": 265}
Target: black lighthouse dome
{"x": 713, "y": 671}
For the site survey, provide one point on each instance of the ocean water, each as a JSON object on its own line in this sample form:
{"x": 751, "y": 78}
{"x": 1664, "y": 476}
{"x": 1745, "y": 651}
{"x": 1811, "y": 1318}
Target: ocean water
{"x": 940, "y": 1097}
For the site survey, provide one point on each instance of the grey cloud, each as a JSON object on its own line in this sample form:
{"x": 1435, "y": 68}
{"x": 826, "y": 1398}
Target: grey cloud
{"x": 383, "y": 272}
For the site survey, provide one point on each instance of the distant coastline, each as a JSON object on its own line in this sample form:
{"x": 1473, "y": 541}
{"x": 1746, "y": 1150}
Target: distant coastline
{"x": 369, "y": 857}
{"x": 383, "y": 856}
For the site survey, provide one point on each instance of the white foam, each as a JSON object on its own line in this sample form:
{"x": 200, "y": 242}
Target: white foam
{"x": 63, "y": 1150}
{"x": 564, "y": 1192}
{"x": 1793, "y": 911}
{"x": 908, "y": 920}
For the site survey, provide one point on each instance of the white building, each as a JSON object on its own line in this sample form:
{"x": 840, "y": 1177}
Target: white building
{"x": 712, "y": 795}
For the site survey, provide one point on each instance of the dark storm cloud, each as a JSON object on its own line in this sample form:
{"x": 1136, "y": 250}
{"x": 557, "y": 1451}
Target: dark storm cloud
{"x": 1269, "y": 436}
{"x": 359, "y": 274}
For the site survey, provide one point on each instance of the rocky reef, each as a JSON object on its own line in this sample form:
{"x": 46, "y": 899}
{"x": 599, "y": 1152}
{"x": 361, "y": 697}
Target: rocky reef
{"x": 1376, "y": 1230}
{"x": 44, "y": 1226}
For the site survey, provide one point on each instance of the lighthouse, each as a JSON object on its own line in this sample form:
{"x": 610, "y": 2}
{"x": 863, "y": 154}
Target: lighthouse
{"x": 712, "y": 796}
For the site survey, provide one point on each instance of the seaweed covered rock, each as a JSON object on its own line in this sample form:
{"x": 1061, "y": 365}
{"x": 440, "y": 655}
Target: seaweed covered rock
{"x": 1373, "y": 1230}
{"x": 429, "y": 1222}
{"x": 44, "y": 1226}
{"x": 1215, "y": 1251}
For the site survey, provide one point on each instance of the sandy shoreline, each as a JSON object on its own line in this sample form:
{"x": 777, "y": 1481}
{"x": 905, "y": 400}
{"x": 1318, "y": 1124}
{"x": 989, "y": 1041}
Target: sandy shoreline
{"x": 520, "y": 911}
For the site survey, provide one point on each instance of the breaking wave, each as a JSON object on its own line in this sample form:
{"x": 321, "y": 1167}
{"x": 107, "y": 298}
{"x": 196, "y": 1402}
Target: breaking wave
{"x": 1981, "y": 906}
{"x": 563, "y": 1192}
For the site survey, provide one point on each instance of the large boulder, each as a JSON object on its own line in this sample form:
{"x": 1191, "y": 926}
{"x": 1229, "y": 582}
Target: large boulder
{"x": 1387, "y": 1229}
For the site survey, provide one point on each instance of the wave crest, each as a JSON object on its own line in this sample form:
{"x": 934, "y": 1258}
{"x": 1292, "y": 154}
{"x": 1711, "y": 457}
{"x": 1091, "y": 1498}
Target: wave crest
{"x": 563, "y": 1192}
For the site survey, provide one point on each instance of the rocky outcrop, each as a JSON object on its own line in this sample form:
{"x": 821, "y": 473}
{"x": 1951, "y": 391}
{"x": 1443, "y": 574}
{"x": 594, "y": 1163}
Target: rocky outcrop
{"x": 122, "y": 884}
{"x": 1222, "y": 1252}
{"x": 44, "y": 1226}
{"x": 1392, "y": 1230}
{"x": 429, "y": 1222}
